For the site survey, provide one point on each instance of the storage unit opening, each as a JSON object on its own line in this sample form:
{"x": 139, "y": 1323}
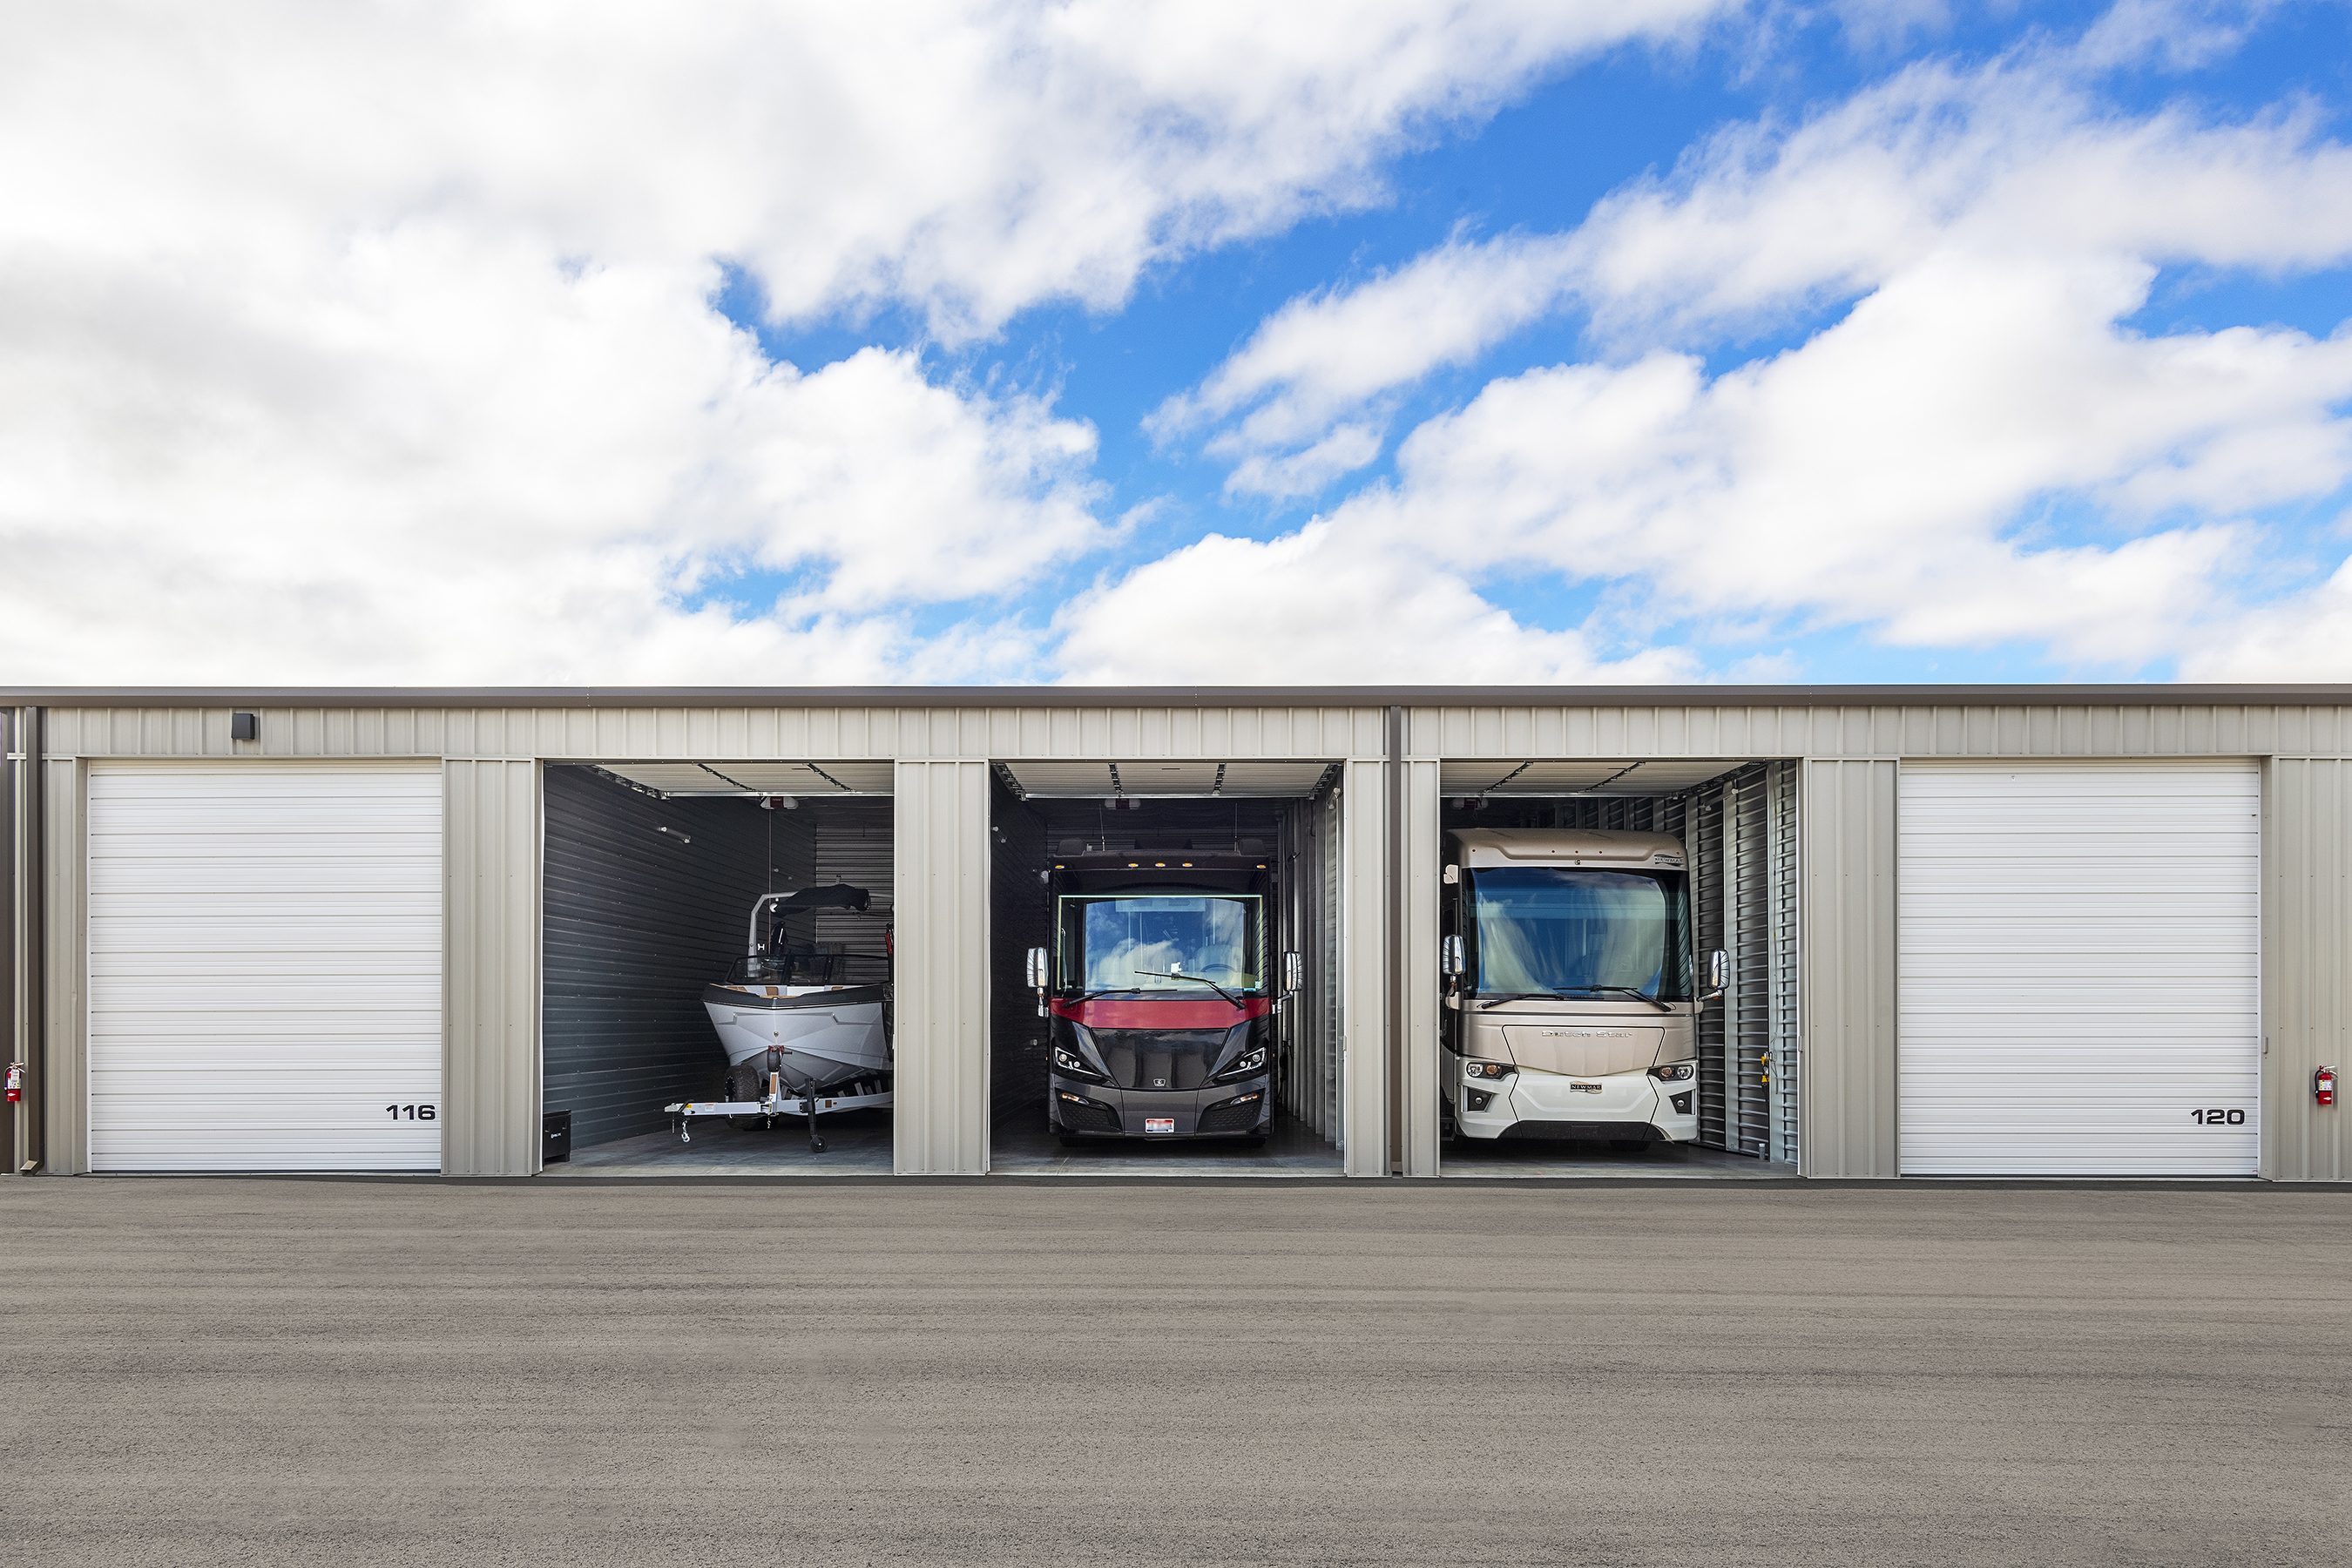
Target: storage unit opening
{"x": 1587, "y": 1026}
{"x": 1166, "y": 968}
{"x": 717, "y": 975}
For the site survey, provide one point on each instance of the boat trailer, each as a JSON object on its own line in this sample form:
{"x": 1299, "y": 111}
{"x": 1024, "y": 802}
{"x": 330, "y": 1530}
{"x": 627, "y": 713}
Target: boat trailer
{"x": 780, "y": 1101}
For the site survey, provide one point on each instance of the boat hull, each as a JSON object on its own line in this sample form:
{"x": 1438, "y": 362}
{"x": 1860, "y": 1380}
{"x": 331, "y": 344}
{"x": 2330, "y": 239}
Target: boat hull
{"x": 820, "y": 1035}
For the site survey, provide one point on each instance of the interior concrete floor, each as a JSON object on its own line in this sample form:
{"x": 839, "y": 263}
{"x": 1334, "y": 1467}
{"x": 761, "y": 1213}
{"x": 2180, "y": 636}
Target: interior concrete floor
{"x": 857, "y": 1143}
{"x": 207, "y": 1372}
{"x": 1024, "y": 1146}
{"x": 1474, "y": 1158}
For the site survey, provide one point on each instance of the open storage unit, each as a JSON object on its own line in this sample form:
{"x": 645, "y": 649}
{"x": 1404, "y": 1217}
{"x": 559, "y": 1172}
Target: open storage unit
{"x": 1276, "y": 822}
{"x": 1736, "y": 823}
{"x": 656, "y": 877}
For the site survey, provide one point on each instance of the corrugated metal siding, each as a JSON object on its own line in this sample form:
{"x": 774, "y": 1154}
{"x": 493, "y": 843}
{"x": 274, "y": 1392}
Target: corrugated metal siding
{"x": 637, "y": 922}
{"x": 2307, "y": 980}
{"x": 1021, "y": 917}
{"x": 1846, "y": 852}
{"x": 1710, "y": 901}
{"x": 491, "y": 985}
{"x": 1363, "y": 969}
{"x": 1742, "y": 846}
{"x": 1732, "y": 728}
{"x": 2080, "y": 966}
{"x": 1327, "y": 975}
{"x": 16, "y": 990}
{"x": 1785, "y": 1055}
{"x": 1309, "y": 844}
{"x": 1424, "y": 850}
{"x": 65, "y": 865}
{"x": 941, "y": 871}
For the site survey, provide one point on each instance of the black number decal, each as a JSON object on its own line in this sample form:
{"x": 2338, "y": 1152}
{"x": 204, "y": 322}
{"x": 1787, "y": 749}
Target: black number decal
{"x": 419, "y": 1112}
{"x": 424, "y": 1113}
{"x": 2237, "y": 1118}
{"x": 2216, "y": 1117}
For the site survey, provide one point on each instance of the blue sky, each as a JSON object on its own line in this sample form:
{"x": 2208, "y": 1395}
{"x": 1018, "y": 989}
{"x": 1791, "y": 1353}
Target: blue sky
{"x": 1902, "y": 342}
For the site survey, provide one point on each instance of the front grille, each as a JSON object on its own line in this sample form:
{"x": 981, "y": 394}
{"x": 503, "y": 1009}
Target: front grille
{"x": 1088, "y": 1117}
{"x": 1159, "y": 1058}
{"x": 1585, "y": 1131}
{"x": 1235, "y": 1115}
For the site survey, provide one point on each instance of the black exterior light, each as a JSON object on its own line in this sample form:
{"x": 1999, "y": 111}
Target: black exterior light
{"x": 245, "y": 726}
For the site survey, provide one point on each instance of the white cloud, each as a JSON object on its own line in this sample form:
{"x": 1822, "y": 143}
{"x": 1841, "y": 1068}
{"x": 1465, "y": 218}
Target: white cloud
{"x": 462, "y": 464}
{"x": 1764, "y": 225}
{"x": 374, "y": 342}
{"x": 1322, "y": 604}
{"x": 1338, "y": 352}
{"x": 1979, "y": 448}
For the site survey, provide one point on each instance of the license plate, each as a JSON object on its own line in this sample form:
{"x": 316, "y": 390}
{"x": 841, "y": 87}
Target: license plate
{"x": 1159, "y": 1124}
{"x": 1585, "y": 1088}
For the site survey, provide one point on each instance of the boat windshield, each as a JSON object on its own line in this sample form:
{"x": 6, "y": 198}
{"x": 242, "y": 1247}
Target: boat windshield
{"x": 1161, "y": 941}
{"x": 1572, "y": 931}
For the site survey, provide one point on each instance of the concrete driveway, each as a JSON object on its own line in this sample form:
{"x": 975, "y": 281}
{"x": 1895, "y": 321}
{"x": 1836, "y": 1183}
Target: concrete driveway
{"x": 578, "y": 1373}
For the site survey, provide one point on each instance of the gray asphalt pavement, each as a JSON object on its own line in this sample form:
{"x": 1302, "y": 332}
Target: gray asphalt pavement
{"x": 572, "y": 1373}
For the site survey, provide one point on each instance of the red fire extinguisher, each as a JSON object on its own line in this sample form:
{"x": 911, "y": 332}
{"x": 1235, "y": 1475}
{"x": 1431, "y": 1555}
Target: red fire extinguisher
{"x": 16, "y": 1082}
{"x": 2323, "y": 1085}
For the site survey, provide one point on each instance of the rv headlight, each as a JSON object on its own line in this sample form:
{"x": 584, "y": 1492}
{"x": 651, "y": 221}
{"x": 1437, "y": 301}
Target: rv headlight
{"x": 1487, "y": 1069}
{"x": 1069, "y": 1062}
{"x": 1674, "y": 1072}
{"x": 1252, "y": 1061}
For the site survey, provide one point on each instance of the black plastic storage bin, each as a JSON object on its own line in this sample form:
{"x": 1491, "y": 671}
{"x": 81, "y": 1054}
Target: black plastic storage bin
{"x": 555, "y": 1142}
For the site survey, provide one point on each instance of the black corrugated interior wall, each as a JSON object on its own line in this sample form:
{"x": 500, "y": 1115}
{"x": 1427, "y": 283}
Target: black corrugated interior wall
{"x": 1020, "y": 911}
{"x": 851, "y": 842}
{"x": 636, "y": 920}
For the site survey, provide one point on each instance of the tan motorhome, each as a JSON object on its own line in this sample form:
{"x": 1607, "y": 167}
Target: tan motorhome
{"x": 1570, "y": 1007}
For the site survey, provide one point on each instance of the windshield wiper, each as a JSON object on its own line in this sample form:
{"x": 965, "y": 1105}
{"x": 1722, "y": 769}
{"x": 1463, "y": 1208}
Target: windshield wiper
{"x": 1555, "y": 996}
{"x": 1106, "y": 990}
{"x": 1521, "y": 996}
{"x": 1627, "y": 991}
{"x": 1179, "y": 975}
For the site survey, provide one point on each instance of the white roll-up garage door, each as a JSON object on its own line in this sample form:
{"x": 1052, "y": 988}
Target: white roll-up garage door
{"x": 265, "y": 967}
{"x": 2080, "y": 985}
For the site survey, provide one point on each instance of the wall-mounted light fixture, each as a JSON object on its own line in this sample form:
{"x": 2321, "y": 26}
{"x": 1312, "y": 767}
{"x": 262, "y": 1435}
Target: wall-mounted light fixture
{"x": 674, "y": 833}
{"x": 245, "y": 726}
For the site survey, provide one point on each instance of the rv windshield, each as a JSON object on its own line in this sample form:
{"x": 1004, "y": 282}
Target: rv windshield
{"x": 1141, "y": 940}
{"x": 1551, "y": 928}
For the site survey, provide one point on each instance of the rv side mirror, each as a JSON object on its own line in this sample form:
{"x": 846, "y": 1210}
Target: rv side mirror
{"x": 1718, "y": 973}
{"x": 1037, "y": 977}
{"x": 1453, "y": 950}
{"x": 1293, "y": 974}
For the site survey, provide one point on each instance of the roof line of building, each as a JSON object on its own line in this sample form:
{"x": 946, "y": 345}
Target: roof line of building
{"x": 2137, "y": 694}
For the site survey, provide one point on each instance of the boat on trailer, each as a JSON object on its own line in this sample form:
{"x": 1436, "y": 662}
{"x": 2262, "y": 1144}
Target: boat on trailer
{"x": 799, "y": 1039}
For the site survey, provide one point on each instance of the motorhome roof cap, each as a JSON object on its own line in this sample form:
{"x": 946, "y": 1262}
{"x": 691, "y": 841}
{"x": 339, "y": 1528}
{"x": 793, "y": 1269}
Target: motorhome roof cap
{"x": 1509, "y": 846}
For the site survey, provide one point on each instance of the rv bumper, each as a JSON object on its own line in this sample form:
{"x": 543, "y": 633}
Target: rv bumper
{"x": 1623, "y": 1107}
{"x": 1241, "y": 1109}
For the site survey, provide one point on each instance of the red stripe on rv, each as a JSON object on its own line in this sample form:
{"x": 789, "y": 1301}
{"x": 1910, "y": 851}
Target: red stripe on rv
{"x": 1128, "y": 1013}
